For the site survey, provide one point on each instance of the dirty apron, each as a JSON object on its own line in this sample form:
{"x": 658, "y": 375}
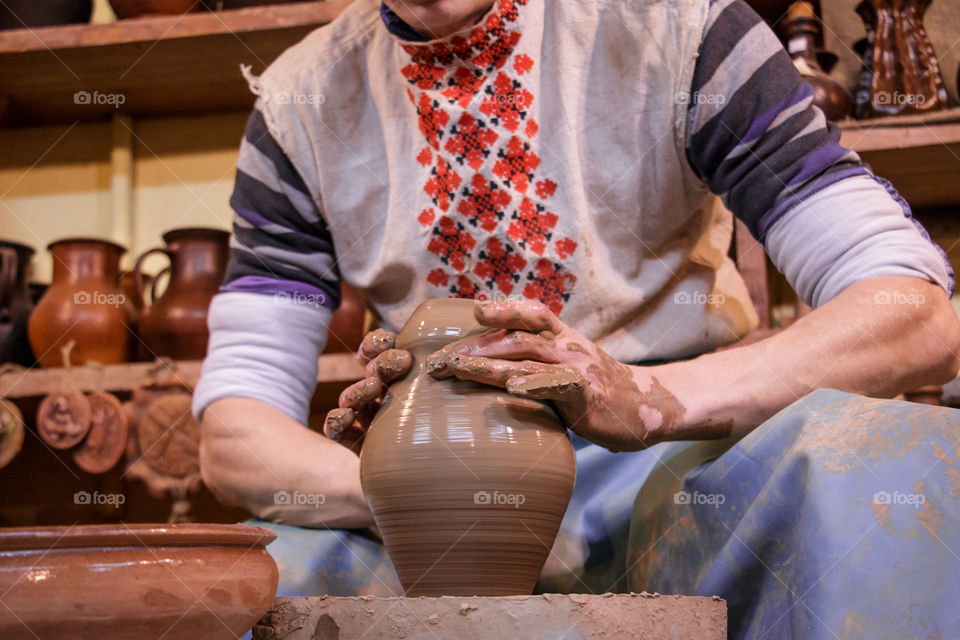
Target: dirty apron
{"x": 837, "y": 518}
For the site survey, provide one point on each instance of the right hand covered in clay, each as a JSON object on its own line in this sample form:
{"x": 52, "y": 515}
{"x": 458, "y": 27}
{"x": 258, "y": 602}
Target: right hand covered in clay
{"x": 360, "y": 401}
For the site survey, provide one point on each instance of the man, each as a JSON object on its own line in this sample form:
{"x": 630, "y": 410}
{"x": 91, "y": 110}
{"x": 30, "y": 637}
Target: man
{"x": 564, "y": 153}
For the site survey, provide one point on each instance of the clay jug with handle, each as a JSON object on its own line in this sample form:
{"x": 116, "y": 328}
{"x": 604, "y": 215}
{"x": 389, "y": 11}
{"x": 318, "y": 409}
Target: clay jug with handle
{"x": 85, "y": 304}
{"x": 467, "y": 483}
{"x": 175, "y": 325}
{"x": 15, "y": 303}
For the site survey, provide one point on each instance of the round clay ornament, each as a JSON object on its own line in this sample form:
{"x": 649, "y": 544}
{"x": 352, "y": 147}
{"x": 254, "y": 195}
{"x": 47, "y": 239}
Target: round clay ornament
{"x": 11, "y": 432}
{"x": 63, "y": 419}
{"x": 170, "y": 437}
{"x": 107, "y": 437}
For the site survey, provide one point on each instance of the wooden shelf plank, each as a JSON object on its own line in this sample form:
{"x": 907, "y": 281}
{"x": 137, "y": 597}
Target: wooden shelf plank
{"x": 161, "y": 66}
{"x": 920, "y": 155}
{"x": 22, "y": 383}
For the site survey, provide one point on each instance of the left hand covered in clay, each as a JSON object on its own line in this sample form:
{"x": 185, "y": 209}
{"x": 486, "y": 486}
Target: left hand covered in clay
{"x": 532, "y": 354}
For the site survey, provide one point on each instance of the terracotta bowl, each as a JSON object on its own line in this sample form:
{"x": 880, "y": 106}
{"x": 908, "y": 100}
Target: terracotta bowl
{"x": 138, "y": 8}
{"x": 134, "y": 581}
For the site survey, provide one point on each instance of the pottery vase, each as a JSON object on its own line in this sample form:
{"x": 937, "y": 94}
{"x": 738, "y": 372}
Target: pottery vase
{"x": 175, "y": 325}
{"x": 20, "y": 14}
{"x": 900, "y": 74}
{"x": 801, "y": 30}
{"x": 467, "y": 484}
{"x": 15, "y": 303}
{"x": 85, "y": 304}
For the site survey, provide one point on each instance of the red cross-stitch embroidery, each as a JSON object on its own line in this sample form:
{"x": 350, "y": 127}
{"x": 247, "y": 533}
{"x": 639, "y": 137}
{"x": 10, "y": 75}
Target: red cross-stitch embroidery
{"x": 499, "y": 265}
{"x": 549, "y": 283}
{"x": 451, "y": 242}
{"x": 443, "y": 184}
{"x": 483, "y": 203}
{"x": 531, "y": 226}
{"x": 470, "y": 141}
{"x": 516, "y": 164}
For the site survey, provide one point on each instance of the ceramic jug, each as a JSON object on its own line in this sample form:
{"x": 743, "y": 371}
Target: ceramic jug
{"x": 83, "y": 304}
{"x": 15, "y": 303}
{"x": 175, "y": 325}
{"x": 467, "y": 483}
{"x": 801, "y": 30}
{"x": 900, "y": 73}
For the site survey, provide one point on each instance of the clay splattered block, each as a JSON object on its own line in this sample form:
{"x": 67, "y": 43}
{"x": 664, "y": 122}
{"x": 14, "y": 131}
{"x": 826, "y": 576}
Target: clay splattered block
{"x": 546, "y": 617}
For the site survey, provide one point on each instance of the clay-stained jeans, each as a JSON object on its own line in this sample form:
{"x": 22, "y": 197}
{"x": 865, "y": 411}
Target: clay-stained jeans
{"x": 837, "y": 518}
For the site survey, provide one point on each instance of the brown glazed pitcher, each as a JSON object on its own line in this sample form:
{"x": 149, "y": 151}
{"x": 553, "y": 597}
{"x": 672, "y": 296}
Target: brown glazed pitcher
{"x": 467, "y": 483}
{"x": 175, "y": 325}
{"x": 83, "y": 304}
{"x": 15, "y": 303}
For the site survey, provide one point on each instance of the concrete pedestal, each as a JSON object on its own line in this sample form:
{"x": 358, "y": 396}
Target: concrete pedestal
{"x": 546, "y": 617}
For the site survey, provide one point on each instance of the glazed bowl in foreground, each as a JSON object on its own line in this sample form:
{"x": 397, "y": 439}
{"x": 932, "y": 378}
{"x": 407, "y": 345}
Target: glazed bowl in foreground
{"x": 134, "y": 581}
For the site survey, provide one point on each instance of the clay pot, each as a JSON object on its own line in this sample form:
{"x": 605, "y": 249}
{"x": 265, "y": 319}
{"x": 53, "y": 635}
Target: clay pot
{"x": 347, "y": 323}
{"x": 467, "y": 484}
{"x": 175, "y": 325}
{"x": 15, "y": 303}
{"x": 139, "y": 8}
{"x": 801, "y": 30}
{"x": 19, "y": 14}
{"x": 83, "y": 304}
{"x": 134, "y": 581}
{"x": 900, "y": 74}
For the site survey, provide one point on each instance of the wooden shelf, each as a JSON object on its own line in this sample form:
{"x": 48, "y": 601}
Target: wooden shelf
{"x": 162, "y": 66}
{"x": 23, "y": 383}
{"x": 920, "y": 155}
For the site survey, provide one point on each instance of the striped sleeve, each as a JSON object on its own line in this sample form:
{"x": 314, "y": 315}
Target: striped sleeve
{"x": 281, "y": 245}
{"x": 756, "y": 138}
{"x": 753, "y": 133}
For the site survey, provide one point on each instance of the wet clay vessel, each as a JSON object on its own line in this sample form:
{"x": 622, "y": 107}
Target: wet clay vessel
{"x": 134, "y": 581}
{"x": 467, "y": 484}
{"x": 175, "y": 325}
{"x": 83, "y": 304}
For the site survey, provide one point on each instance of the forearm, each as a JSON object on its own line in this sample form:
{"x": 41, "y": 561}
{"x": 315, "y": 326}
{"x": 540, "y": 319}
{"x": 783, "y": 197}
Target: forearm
{"x": 250, "y": 451}
{"x": 879, "y": 337}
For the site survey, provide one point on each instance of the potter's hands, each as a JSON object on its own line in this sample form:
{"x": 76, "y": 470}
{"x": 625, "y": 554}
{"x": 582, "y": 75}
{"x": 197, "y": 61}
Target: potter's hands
{"x": 360, "y": 401}
{"x": 532, "y": 354}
